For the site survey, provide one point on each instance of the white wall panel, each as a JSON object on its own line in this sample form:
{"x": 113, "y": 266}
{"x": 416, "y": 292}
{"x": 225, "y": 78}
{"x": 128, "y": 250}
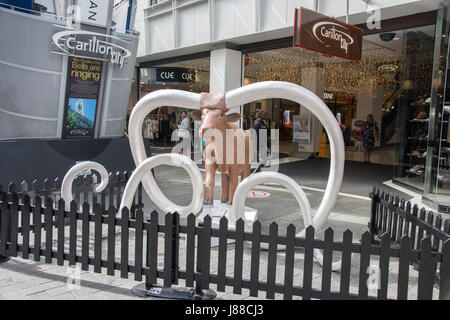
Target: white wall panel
{"x": 273, "y": 14}
{"x": 293, "y": 4}
{"x": 224, "y": 20}
{"x": 160, "y": 33}
{"x": 245, "y": 17}
{"x": 193, "y": 25}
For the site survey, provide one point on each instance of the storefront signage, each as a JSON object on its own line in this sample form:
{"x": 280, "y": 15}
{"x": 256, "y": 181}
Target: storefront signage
{"x": 82, "y": 95}
{"x": 174, "y": 75}
{"x": 328, "y": 96}
{"x": 302, "y": 128}
{"x": 317, "y": 32}
{"x": 94, "y": 11}
{"x": 91, "y": 45}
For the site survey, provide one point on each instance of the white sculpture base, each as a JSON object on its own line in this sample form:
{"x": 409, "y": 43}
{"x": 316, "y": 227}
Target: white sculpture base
{"x": 219, "y": 210}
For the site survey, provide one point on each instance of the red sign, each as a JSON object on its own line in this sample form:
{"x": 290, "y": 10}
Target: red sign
{"x": 320, "y": 33}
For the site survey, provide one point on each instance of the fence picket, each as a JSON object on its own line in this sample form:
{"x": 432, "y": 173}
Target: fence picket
{"x": 413, "y": 233}
{"x": 48, "y": 230}
{"x": 308, "y": 263}
{"x": 37, "y": 229}
{"x": 438, "y": 225}
{"x": 327, "y": 261}
{"x": 206, "y": 252}
{"x": 110, "y": 264}
{"x": 346, "y": 264}
{"x": 420, "y": 233}
{"x": 272, "y": 260}
{"x": 407, "y": 224}
{"x": 138, "y": 244}
{"x": 395, "y": 218}
{"x": 430, "y": 220}
{"x": 403, "y": 268}
{"x": 222, "y": 255}
{"x": 255, "y": 254}
{"x": 390, "y": 215}
{"x": 73, "y": 221}
{"x": 168, "y": 248}
{"x": 385, "y": 213}
{"x": 152, "y": 249}
{"x": 364, "y": 265}
{"x": 4, "y": 226}
{"x": 289, "y": 262}
{"x": 444, "y": 285}
{"x": 400, "y": 222}
{"x": 98, "y": 228}
{"x": 238, "y": 256}
{"x": 60, "y": 243}
{"x": 124, "y": 239}
{"x": 26, "y": 226}
{"x": 85, "y": 233}
{"x": 447, "y": 226}
{"x": 190, "y": 250}
{"x": 427, "y": 269}
{"x": 14, "y": 226}
{"x": 385, "y": 246}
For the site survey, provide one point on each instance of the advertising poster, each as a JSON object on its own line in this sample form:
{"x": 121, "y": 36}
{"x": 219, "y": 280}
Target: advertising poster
{"x": 82, "y": 94}
{"x": 302, "y": 129}
{"x": 357, "y": 133}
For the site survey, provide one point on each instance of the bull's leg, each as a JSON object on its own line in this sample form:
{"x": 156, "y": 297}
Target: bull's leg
{"x": 225, "y": 188}
{"x": 245, "y": 173}
{"x": 210, "y": 171}
{"x": 233, "y": 183}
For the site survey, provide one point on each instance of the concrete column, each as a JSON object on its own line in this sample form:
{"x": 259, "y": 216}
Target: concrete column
{"x": 312, "y": 80}
{"x": 370, "y": 100}
{"x": 225, "y": 72}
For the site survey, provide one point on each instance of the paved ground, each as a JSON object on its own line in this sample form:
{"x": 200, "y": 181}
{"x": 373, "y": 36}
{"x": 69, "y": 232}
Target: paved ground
{"x": 25, "y": 279}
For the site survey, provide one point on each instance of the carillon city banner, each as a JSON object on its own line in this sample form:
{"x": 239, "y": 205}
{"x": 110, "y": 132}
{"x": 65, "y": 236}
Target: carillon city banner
{"x": 320, "y": 33}
{"x": 82, "y": 95}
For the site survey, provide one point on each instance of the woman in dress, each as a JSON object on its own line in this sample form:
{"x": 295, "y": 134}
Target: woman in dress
{"x": 369, "y": 132}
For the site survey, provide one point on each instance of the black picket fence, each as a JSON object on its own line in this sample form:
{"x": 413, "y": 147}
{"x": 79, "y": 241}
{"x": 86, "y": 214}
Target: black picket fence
{"x": 83, "y": 190}
{"x": 153, "y": 250}
{"x": 396, "y": 217}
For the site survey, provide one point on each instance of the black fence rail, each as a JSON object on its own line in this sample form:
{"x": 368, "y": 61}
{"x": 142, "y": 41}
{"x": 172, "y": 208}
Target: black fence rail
{"x": 154, "y": 252}
{"x": 397, "y": 218}
{"x": 83, "y": 190}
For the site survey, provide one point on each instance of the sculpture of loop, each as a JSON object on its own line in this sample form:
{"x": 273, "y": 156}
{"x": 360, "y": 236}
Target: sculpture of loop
{"x": 151, "y": 101}
{"x": 275, "y": 89}
{"x": 293, "y": 92}
{"x": 171, "y": 159}
{"x": 66, "y": 187}
{"x": 262, "y": 177}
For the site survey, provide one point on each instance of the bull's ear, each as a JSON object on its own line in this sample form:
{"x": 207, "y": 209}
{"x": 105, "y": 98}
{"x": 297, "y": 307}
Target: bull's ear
{"x": 233, "y": 117}
{"x": 196, "y": 115}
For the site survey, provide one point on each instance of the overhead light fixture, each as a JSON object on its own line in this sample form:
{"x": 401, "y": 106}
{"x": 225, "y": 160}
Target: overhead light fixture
{"x": 388, "y": 36}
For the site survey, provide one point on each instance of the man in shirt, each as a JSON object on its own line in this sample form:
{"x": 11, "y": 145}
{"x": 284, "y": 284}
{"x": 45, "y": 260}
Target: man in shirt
{"x": 184, "y": 132}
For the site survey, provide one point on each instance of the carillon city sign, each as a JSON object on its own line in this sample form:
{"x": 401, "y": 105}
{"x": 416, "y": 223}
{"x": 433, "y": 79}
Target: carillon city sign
{"x": 317, "y": 32}
{"x": 91, "y": 45}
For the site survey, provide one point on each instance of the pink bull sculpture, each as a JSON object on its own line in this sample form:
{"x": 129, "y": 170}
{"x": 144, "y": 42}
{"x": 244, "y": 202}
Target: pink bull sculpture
{"x": 227, "y": 148}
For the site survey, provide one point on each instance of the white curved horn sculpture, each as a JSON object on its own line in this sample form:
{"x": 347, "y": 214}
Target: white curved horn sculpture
{"x": 172, "y": 159}
{"x": 66, "y": 187}
{"x": 151, "y": 101}
{"x": 284, "y": 90}
{"x": 262, "y": 177}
